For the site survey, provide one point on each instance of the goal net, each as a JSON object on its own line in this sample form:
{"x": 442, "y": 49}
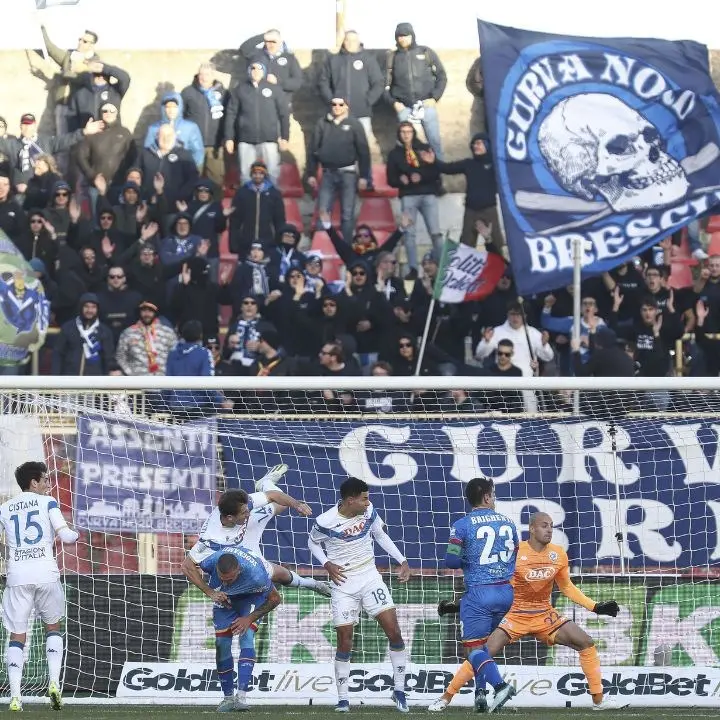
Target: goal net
{"x": 629, "y": 473}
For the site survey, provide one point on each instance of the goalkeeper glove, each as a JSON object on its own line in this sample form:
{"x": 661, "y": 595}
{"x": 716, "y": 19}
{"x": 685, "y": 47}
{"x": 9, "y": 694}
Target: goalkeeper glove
{"x": 607, "y": 608}
{"x": 448, "y": 607}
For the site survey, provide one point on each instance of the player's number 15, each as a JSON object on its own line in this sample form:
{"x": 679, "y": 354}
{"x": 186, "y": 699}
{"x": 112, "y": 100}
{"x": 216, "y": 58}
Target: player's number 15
{"x": 31, "y": 526}
{"x": 487, "y": 533}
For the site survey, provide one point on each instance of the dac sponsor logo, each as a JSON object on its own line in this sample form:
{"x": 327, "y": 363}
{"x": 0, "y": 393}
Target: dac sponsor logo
{"x": 544, "y": 573}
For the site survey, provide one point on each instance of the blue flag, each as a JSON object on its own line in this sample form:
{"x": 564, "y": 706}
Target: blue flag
{"x": 614, "y": 141}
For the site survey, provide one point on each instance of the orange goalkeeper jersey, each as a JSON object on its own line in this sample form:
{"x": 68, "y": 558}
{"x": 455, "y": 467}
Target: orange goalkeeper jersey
{"x": 535, "y": 575}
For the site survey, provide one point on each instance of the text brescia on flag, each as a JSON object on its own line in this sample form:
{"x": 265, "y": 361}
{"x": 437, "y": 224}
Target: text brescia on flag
{"x": 610, "y": 141}
{"x": 466, "y": 274}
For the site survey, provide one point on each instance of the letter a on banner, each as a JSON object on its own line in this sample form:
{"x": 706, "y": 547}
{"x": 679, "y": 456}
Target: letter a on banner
{"x": 612, "y": 142}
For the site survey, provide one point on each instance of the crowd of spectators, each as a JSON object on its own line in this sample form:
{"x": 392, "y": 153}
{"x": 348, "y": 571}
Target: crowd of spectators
{"x": 125, "y": 237}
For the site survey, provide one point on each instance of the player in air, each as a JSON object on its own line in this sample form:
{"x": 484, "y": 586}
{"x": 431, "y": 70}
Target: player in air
{"x": 240, "y": 520}
{"x": 242, "y": 592}
{"x": 541, "y": 564}
{"x": 484, "y": 544}
{"x": 348, "y": 532}
{"x": 31, "y": 522}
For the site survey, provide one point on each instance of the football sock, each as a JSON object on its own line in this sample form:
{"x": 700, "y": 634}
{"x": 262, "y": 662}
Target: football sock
{"x": 590, "y": 664}
{"x": 398, "y": 658}
{"x": 15, "y": 658}
{"x": 462, "y": 677}
{"x": 342, "y": 674}
{"x": 485, "y": 668}
{"x": 54, "y": 654}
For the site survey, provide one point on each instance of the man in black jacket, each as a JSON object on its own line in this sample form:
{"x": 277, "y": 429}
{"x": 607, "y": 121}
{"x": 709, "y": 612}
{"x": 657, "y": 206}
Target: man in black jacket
{"x": 353, "y": 73}
{"x": 339, "y": 144}
{"x": 415, "y": 81}
{"x": 258, "y": 211}
{"x": 118, "y": 302}
{"x": 417, "y": 181}
{"x": 205, "y": 100}
{"x": 257, "y": 118}
{"x": 12, "y": 218}
{"x": 480, "y": 192}
{"x": 103, "y": 84}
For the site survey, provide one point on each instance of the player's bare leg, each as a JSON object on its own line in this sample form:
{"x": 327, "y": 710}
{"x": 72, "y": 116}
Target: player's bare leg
{"x": 573, "y": 636}
{"x": 344, "y": 635}
{"x": 398, "y": 655}
{"x": 15, "y": 659}
{"x": 282, "y": 576}
{"x": 54, "y": 652}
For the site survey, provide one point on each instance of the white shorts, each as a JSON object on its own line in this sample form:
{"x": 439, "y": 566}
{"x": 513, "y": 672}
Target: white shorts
{"x": 365, "y": 592}
{"x": 18, "y": 602}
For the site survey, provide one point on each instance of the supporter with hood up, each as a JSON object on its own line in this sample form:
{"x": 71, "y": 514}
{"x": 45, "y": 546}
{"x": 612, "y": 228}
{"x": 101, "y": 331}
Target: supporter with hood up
{"x": 181, "y": 244}
{"x": 285, "y": 255}
{"x": 187, "y": 133}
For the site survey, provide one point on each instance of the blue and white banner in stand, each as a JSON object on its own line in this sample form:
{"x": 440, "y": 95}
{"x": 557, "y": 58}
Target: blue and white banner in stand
{"x": 612, "y": 141}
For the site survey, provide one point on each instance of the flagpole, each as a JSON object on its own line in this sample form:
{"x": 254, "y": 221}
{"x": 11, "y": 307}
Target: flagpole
{"x": 577, "y": 299}
{"x": 426, "y": 333}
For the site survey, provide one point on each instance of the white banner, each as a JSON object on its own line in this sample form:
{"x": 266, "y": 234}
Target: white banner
{"x": 372, "y": 684}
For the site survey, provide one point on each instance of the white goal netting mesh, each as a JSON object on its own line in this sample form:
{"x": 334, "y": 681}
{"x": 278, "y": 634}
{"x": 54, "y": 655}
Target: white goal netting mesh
{"x": 635, "y": 499}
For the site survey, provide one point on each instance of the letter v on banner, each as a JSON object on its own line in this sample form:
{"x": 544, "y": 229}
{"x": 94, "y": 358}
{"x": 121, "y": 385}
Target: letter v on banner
{"x": 612, "y": 144}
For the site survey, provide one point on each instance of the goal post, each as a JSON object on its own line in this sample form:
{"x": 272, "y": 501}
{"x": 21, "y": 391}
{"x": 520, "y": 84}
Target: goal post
{"x": 632, "y": 483}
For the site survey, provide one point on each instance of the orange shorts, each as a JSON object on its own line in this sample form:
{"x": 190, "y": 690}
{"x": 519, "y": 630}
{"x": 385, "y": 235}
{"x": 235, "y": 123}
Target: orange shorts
{"x": 543, "y": 625}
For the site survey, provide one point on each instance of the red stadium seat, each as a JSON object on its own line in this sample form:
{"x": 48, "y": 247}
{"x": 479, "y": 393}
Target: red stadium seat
{"x": 681, "y": 253}
{"x": 377, "y": 213}
{"x": 714, "y": 244}
{"x": 332, "y": 264}
{"x": 714, "y": 224}
{"x": 380, "y": 184}
{"x": 292, "y": 213}
{"x": 290, "y": 183}
{"x": 680, "y": 276}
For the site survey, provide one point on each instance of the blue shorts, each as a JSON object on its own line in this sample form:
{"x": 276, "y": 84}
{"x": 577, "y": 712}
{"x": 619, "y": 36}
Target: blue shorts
{"x": 242, "y": 606}
{"x": 482, "y": 608}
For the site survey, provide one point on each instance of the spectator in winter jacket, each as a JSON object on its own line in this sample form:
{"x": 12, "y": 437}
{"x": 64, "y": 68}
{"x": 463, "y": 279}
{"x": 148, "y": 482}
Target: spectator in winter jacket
{"x": 339, "y": 145}
{"x": 12, "y": 217}
{"x": 252, "y": 276}
{"x": 414, "y": 83}
{"x": 118, "y": 302}
{"x": 258, "y": 119}
{"x": 90, "y": 271}
{"x": 128, "y": 212}
{"x": 353, "y": 73}
{"x": 107, "y": 241}
{"x": 105, "y": 158}
{"x": 187, "y": 133}
{"x": 26, "y": 149}
{"x": 417, "y": 181}
{"x": 181, "y": 244}
{"x": 196, "y": 297}
{"x": 143, "y": 348}
{"x": 244, "y": 332}
{"x": 41, "y": 182}
{"x": 475, "y": 85}
{"x": 145, "y": 275}
{"x": 72, "y": 63}
{"x": 258, "y": 211}
{"x": 387, "y": 283}
{"x": 283, "y": 68}
{"x": 190, "y": 359}
{"x": 205, "y": 100}
{"x": 85, "y": 346}
{"x": 173, "y": 162}
{"x": 364, "y": 244}
{"x": 61, "y": 223}
{"x": 285, "y": 256}
{"x": 102, "y": 85}
{"x": 480, "y": 192}
{"x": 36, "y": 241}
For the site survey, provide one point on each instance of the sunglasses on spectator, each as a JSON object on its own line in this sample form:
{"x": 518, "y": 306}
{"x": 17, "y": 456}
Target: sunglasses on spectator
{"x": 108, "y": 111}
{"x": 36, "y": 221}
{"x": 405, "y": 344}
{"x": 338, "y": 104}
{"x": 62, "y": 193}
{"x": 106, "y": 217}
{"x": 271, "y": 42}
{"x": 116, "y": 277}
{"x": 249, "y": 302}
{"x": 358, "y": 273}
{"x": 504, "y": 353}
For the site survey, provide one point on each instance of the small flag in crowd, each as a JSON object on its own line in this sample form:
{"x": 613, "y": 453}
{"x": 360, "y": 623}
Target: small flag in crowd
{"x": 45, "y": 4}
{"x": 466, "y": 274}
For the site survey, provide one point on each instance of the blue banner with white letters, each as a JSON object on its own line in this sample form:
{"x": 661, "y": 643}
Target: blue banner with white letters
{"x": 612, "y": 141}
{"x": 663, "y": 483}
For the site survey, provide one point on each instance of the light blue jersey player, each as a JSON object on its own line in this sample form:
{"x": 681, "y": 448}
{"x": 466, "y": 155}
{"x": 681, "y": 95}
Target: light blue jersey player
{"x": 242, "y": 592}
{"x": 484, "y": 544}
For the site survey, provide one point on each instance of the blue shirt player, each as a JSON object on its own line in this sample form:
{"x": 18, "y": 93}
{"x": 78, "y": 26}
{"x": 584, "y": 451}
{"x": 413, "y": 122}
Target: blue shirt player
{"x": 484, "y": 544}
{"x": 242, "y": 593}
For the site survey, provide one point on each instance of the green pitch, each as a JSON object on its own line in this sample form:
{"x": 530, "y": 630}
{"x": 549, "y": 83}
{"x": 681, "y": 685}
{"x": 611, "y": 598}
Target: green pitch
{"x": 267, "y": 712}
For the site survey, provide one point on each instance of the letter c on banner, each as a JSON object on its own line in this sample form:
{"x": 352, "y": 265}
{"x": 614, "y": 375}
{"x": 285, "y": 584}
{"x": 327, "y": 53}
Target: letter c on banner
{"x": 353, "y": 455}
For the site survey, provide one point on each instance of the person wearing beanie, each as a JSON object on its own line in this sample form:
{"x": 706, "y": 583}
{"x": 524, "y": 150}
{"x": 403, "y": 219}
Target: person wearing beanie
{"x": 258, "y": 121}
{"x": 415, "y": 80}
{"x": 85, "y": 346}
{"x": 258, "y": 211}
{"x": 143, "y": 347}
{"x": 187, "y": 132}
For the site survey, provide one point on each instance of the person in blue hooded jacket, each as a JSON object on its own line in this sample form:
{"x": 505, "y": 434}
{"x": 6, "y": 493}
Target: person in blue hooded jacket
{"x": 189, "y": 358}
{"x": 187, "y": 133}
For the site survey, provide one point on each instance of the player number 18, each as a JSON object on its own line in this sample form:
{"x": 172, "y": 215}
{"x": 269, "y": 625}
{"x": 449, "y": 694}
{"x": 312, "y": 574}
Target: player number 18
{"x": 487, "y": 533}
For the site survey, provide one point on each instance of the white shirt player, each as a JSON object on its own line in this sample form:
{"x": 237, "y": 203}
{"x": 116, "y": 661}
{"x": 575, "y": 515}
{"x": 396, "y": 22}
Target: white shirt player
{"x": 349, "y": 542}
{"x": 214, "y": 535}
{"x": 30, "y": 522}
